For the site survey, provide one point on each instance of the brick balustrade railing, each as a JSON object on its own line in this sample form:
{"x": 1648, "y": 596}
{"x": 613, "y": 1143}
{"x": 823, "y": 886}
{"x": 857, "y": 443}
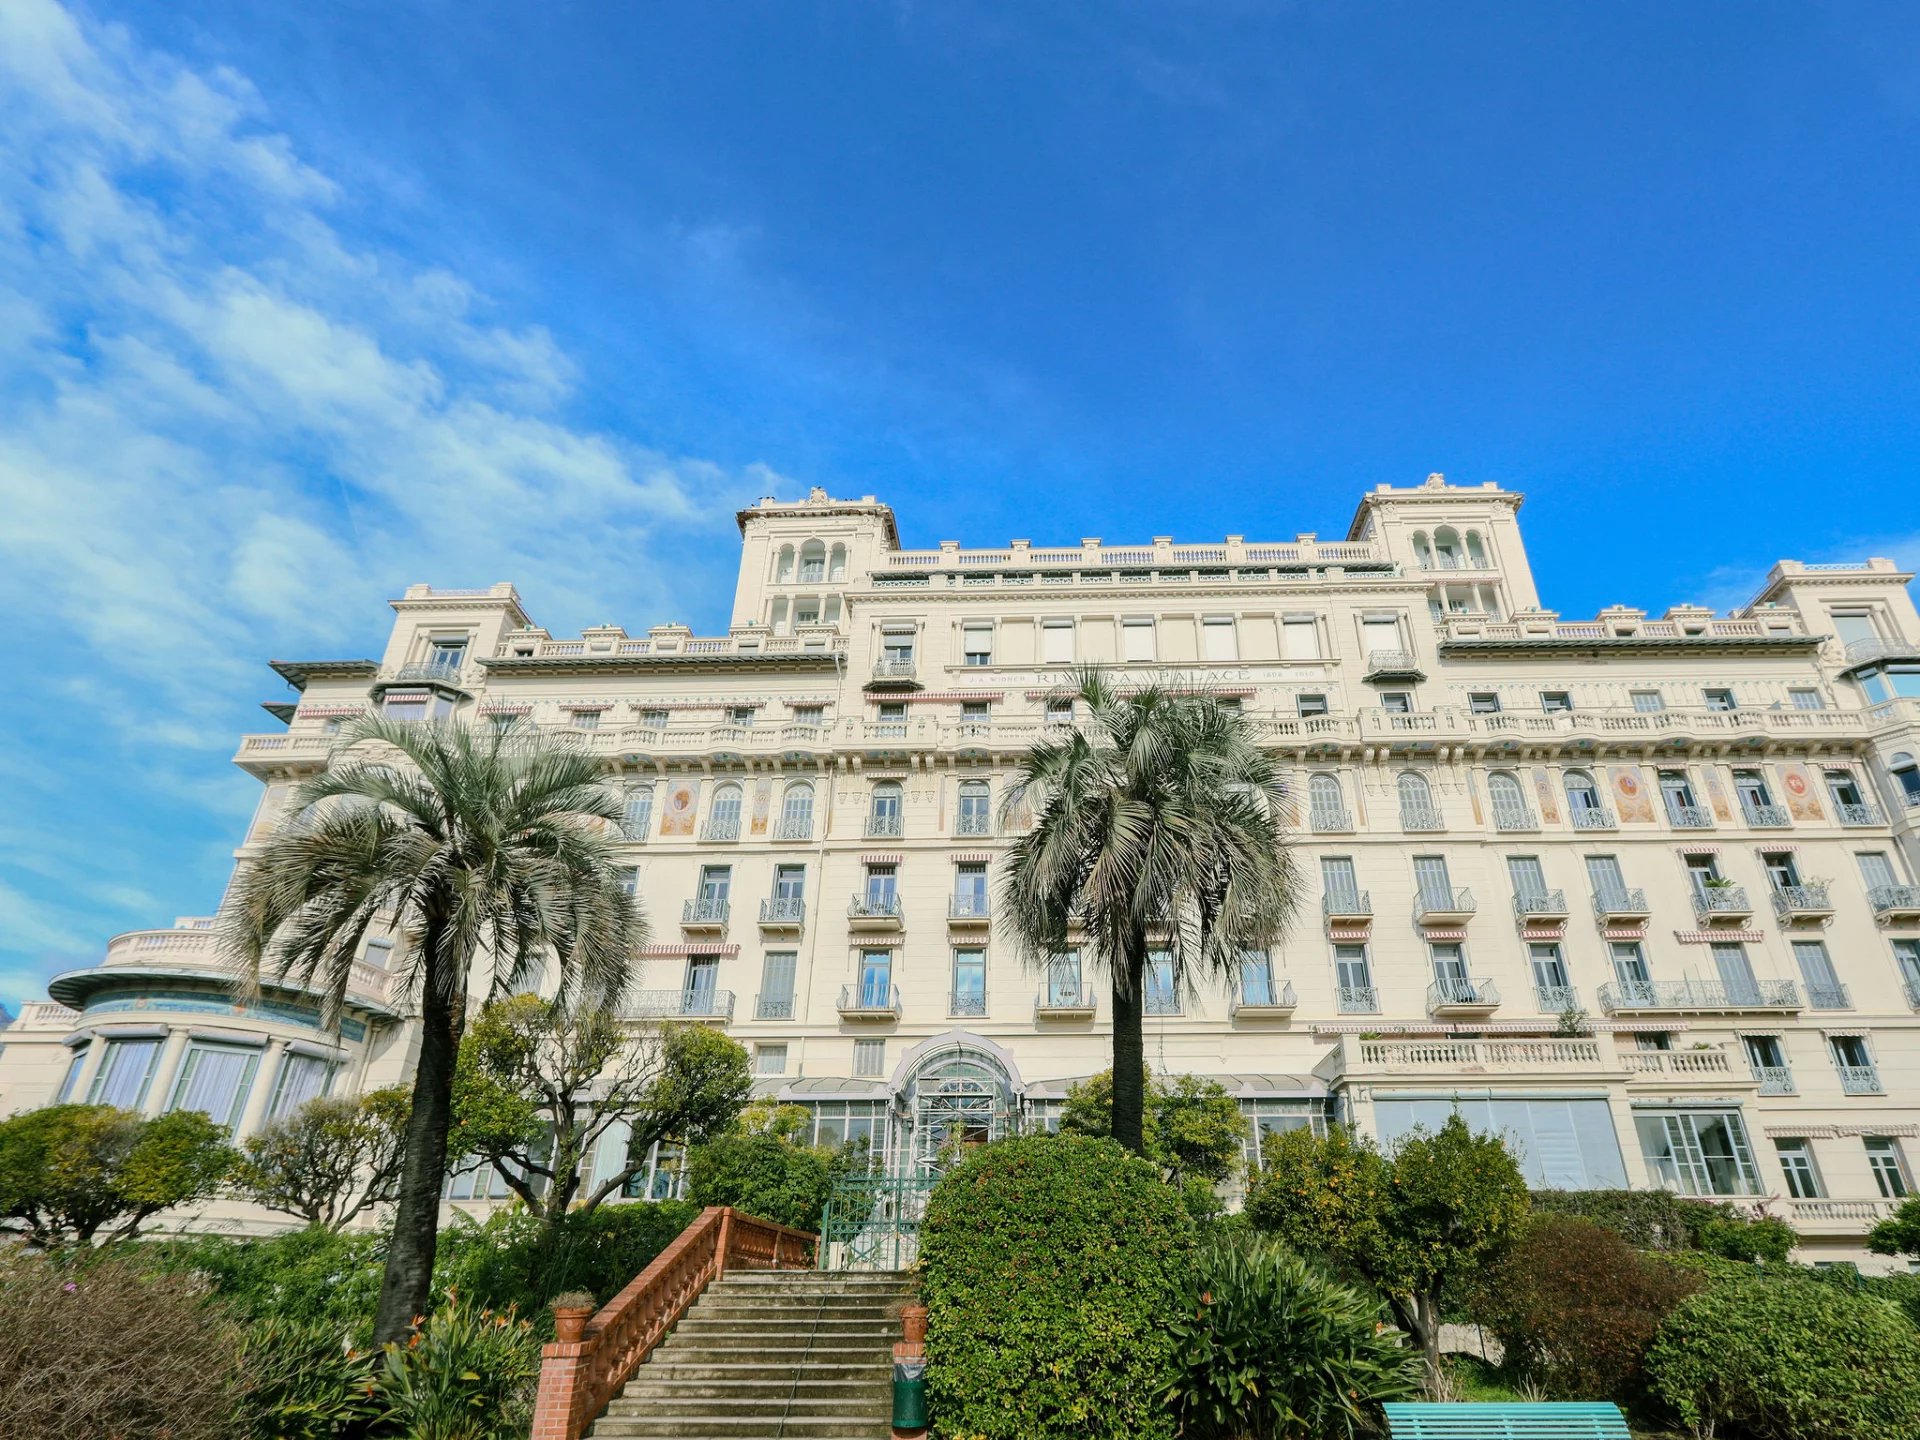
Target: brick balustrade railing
{"x": 577, "y": 1379}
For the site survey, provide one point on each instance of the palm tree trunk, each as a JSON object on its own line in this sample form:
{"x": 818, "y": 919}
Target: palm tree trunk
{"x": 406, "y": 1289}
{"x": 1130, "y": 1048}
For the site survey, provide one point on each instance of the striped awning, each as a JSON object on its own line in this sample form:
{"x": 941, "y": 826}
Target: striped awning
{"x": 881, "y": 859}
{"x": 878, "y": 942}
{"x": 327, "y": 712}
{"x": 1720, "y": 937}
{"x": 953, "y": 697}
{"x": 1544, "y": 932}
{"x": 1446, "y": 934}
{"x": 1626, "y": 932}
{"x": 1546, "y": 1025}
{"x": 661, "y": 952}
{"x": 981, "y": 859}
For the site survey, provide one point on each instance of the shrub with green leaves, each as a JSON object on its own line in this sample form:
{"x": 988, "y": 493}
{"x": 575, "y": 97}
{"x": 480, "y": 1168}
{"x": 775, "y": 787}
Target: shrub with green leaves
{"x": 1052, "y": 1268}
{"x": 1575, "y": 1306}
{"x": 516, "y": 1258}
{"x": 1759, "y": 1238}
{"x": 304, "y": 1380}
{"x": 1649, "y": 1219}
{"x": 467, "y": 1372}
{"x": 1273, "y": 1349}
{"x": 1791, "y": 1360}
{"x": 301, "y": 1276}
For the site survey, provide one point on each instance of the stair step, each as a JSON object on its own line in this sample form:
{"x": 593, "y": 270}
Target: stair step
{"x": 832, "y": 1404}
{"x": 777, "y": 1387}
{"x": 707, "y": 1372}
{"x": 746, "y": 1427}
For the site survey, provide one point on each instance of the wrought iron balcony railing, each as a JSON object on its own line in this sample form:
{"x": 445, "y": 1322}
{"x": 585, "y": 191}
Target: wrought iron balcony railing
{"x": 1420, "y": 817}
{"x": 1860, "y": 814}
{"x": 695, "y": 1004}
{"x": 704, "y": 911}
{"x": 970, "y": 907}
{"x": 783, "y": 910}
{"x": 1774, "y": 1079}
{"x": 1809, "y": 897}
{"x": 1514, "y": 817}
{"x": 1698, "y": 995}
{"x": 1461, "y": 992}
{"x": 1441, "y": 901}
{"x": 1766, "y": 817}
{"x": 793, "y": 827}
{"x": 970, "y": 823}
{"x": 1357, "y": 999}
{"x": 1621, "y": 902}
{"x": 773, "y": 1007}
{"x": 1540, "y": 903}
{"x": 1265, "y": 999}
{"x": 1347, "y": 903}
{"x": 1329, "y": 817}
{"x": 1689, "y": 817}
{"x": 1829, "y": 997}
{"x": 874, "y": 907}
{"x": 870, "y": 1000}
{"x": 1593, "y": 817}
{"x": 722, "y": 827}
{"x": 1894, "y": 899}
{"x": 1556, "y": 999}
{"x": 884, "y": 827}
{"x": 1722, "y": 901}
{"x": 1861, "y": 1080}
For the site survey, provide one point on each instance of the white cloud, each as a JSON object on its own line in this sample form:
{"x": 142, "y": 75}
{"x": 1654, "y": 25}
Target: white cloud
{"x": 229, "y": 428}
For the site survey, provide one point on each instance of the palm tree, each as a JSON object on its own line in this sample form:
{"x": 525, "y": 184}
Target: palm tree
{"x": 483, "y": 846}
{"x": 1157, "y": 814}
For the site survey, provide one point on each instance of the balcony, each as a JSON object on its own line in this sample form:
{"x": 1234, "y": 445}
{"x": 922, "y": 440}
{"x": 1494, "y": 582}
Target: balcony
{"x": 1352, "y": 907}
{"x": 1593, "y": 817}
{"x": 1839, "y": 1217}
{"x": 1443, "y": 907}
{"x": 721, "y": 827}
{"x": 1556, "y": 999}
{"x": 1459, "y": 997}
{"x": 1162, "y": 1002}
{"x": 1514, "y": 817}
{"x": 1766, "y": 817}
{"x": 969, "y": 912}
{"x": 1357, "y": 999}
{"x": 707, "y": 915}
{"x": 793, "y": 827}
{"x": 894, "y": 670}
{"x": 1619, "y": 907}
{"x": 695, "y": 1004}
{"x": 1685, "y": 1067}
{"x": 1774, "y": 1079}
{"x": 1860, "y": 1079}
{"x": 1324, "y": 818}
{"x": 1895, "y": 902}
{"x": 1689, "y": 817}
{"x": 966, "y": 1005}
{"x": 1833, "y": 996}
{"x": 874, "y": 912}
{"x": 966, "y": 824}
{"x": 1683, "y": 996}
{"x": 1866, "y": 652}
{"x": 1540, "y": 905}
{"x": 1414, "y": 818}
{"x": 885, "y": 827}
{"x": 1451, "y": 1056}
{"x": 1721, "y": 902}
{"x": 783, "y": 912}
{"x": 773, "y": 1007}
{"x": 1276, "y": 1005}
{"x": 1393, "y": 665}
{"x": 1064, "y": 1002}
{"x": 1859, "y": 814}
{"x": 433, "y": 672}
{"x": 869, "y": 1002}
{"x": 1805, "y": 901}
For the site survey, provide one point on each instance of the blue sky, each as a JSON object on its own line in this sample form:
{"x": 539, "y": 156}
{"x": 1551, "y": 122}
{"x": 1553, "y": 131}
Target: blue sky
{"x": 301, "y": 303}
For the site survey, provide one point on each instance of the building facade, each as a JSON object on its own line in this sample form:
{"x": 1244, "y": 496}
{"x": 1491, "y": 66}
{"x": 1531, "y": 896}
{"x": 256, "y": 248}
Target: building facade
{"x": 1637, "y": 892}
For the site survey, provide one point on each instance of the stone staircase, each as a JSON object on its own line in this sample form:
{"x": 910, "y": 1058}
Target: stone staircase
{"x": 771, "y": 1355}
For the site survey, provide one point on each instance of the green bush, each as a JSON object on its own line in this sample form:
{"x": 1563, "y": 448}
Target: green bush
{"x": 1272, "y": 1349}
{"x": 1649, "y": 1219}
{"x": 301, "y": 1276}
{"x": 1761, "y": 1238}
{"x": 1575, "y": 1307}
{"x": 112, "y": 1349}
{"x": 763, "y": 1175}
{"x": 466, "y": 1373}
{"x": 1791, "y": 1360}
{"x": 513, "y": 1258}
{"x": 301, "y": 1380}
{"x": 1052, "y": 1268}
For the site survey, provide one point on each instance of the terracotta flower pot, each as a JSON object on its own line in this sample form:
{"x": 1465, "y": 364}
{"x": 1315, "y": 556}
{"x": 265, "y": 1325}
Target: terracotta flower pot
{"x": 913, "y": 1324}
{"x": 569, "y": 1322}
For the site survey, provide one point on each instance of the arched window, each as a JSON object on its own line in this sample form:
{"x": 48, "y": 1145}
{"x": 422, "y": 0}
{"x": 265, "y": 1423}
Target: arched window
{"x": 796, "y": 812}
{"x": 783, "y": 568}
{"x": 883, "y": 816}
{"x": 976, "y": 814}
{"x": 813, "y": 563}
{"x": 1446, "y": 547}
{"x": 1326, "y": 806}
{"x": 837, "y": 563}
{"x": 724, "y": 823}
{"x": 1417, "y": 810}
{"x": 636, "y": 819}
{"x": 1584, "y": 803}
{"x": 1422, "y": 552}
{"x": 1510, "y": 809}
{"x": 1475, "y": 551}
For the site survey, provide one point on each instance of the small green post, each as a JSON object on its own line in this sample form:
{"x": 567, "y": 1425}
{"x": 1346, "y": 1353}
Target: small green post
{"x": 909, "y": 1394}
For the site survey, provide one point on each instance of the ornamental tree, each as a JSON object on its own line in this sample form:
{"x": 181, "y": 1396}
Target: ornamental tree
{"x": 1899, "y": 1233}
{"x": 330, "y": 1159}
{"x": 539, "y": 1082}
{"x": 69, "y": 1172}
{"x": 1194, "y": 1130}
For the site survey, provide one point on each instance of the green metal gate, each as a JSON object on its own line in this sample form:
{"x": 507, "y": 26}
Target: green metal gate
{"x": 872, "y": 1222}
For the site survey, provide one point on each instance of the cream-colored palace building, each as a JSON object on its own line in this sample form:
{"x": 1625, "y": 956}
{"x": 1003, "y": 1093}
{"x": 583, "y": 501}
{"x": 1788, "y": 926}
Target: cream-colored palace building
{"x": 1696, "y": 831}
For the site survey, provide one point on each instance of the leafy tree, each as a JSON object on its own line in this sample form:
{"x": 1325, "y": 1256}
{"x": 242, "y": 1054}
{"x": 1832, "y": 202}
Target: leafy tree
{"x": 330, "y": 1159}
{"x": 1159, "y": 813}
{"x": 67, "y": 1172}
{"x": 540, "y": 1081}
{"x": 1899, "y": 1233}
{"x": 1417, "y": 1223}
{"x": 489, "y": 849}
{"x": 1750, "y": 1239}
{"x": 765, "y": 1167}
{"x": 1193, "y": 1128}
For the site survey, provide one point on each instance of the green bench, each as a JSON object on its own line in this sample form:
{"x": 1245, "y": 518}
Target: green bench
{"x": 1549, "y": 1420}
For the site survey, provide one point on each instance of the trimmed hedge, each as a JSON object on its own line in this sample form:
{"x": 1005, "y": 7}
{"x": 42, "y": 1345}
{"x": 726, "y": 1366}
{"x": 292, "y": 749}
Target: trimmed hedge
{"x": 1051, "y": 1266}
{"x": 1792, "y": 1360}
{"x": 1650, "y": 1219}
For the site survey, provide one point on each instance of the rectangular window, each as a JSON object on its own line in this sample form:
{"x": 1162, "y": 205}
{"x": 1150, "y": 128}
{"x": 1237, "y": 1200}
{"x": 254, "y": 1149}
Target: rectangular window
{"x": 214, "y": 1079}
{"x": 741, "y": 715}
{"x": 301, "y": 1078}
{"x": 1698, "y": 1152}
{"x": 789, "y": 882}
{"x": 637, "y": 819}
{"x": 1379, "y": 635}
{"x": 1431, "y": 880}
{"x": 876, "y": 979}
{"x": 770, "y": 1058}
{"x": 896, "y": 645}
{"x": 447, "y": 654}
{"x": 1341, "y": 884}
{"x": 1396, "y": 702}
{"x": 1353, "y": 979}
{"x": 1218, "y": 640}
{"x": 809, "y": 714}
{"x": 1889, "y": 1167}
{"x": 1807, "y": 699}
{"x": 976, "y": 644}
{"x": 1059, "y": 712}
{"x": 75, "y": 1063}
{"x": 890, "y": 719}
{"x": 1136, "y": 640}
{"x": 969, "y": 982}
{"x": 1718, "y": 699}
{"x": 379, "y": 954}
{"x": 1629, "y": 965}
{"x": 1906, "y": 955}
{"x": 628, "y": 878}
{"x": 1056, "y": 642}
{"x": 1162, "y": 998}
{"x": 1527, "y": 876}
{"x": 1483, "y": 702}
{"x": 584, "y": 719}
{"x": 1256, "y": 978}
{"x": 1649, "y": 702}
{"x": 974, "y": 712}
{"x": 1299, "y": 638}
{"x": 1556, "y": 702}
{"x": 1559, "y": 1144}
{"x": 1853, "y": 626}
{"x": 405, "y": 707}
{"x": 653, "y": 720}
{"x": 1796, "y": 1161}
{"x": 883, "y": 888}
{"x": 1877, "y": 871}
{"x": 1736, "y": 972}
{"x": 1063, "y": 981}
{"x": 776, "y": 986}
{"x": 970, "y": 889}
{"x": 716, "y": 881}
{"x": 1310, "y": 705}
{"x": 124, "y": 1074}
{"x": 869, "y": 1058}
{"x": 1604, "y": 874}
{"x": 1824, "y": 990}
{"x": 1550, "y": 977}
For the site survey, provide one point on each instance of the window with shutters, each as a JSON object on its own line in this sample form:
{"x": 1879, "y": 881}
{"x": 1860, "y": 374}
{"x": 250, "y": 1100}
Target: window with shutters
{"x": 214, "y": 1079}
{"x": 1299, "y": 638}
{"x": 976, "y": 644}
{"x": 1796, "y": 1162}
{"x": 1218, "y": 638}
{"x": 1136, "y": 640}
{"x": 1056, "y": 642}
{"x": 775, "y": 1001}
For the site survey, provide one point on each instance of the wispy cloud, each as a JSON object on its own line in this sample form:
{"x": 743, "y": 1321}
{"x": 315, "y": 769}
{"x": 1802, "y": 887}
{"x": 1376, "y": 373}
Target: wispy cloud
{"x": 229, "y": 428}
